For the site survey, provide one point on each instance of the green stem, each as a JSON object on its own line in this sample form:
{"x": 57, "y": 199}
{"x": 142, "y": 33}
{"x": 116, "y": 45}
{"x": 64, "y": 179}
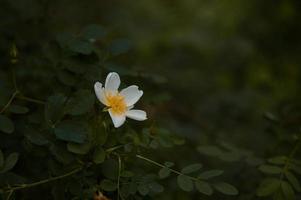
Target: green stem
{"x": 24, "y": 186}
{"x": 118, "y": 179}
{"x": 31, "y": 100}
{"x": 9, "y": 101}
{"x": 163, "y": 166}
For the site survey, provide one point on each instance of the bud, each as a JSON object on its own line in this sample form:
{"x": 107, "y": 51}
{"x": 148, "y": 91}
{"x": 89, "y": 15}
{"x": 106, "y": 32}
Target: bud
{"x": 13, "y": 52}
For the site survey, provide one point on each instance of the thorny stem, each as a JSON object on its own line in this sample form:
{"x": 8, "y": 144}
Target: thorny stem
{"x": 161, "y": 165}
{"x": 10, "y": 190}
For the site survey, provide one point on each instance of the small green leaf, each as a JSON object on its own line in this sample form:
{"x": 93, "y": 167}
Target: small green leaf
{"x": 71, "y": 131}
{"x": 268, "y": 186}
{"x": 210, "y": 174}
{"x": 203, "y": 187}
{"x": 155, "y": 187}
{"x": 226, "y": 188}
{"x": 191, "y": 168}
{"x": 81, "y": 103}
{"x": 6, "y": 124}
{"x": 287, "y": 190}
{"x": 164, "y": 172}
{"x": 185, "y": 183}
{"x": 82, "y": 47}
{"x": 54, "y": 109}
{"x": 99, "y": 155}
{"x": 143, "y": 189}
{"x": 269, "y": 169}
{"x": 108, "y": 185}
{"x": 210, "y": 150}
{"x": 18, "y": 109}
{"x": 169, "y": 164}
{"x": 81, "y": 149}
{"x": 279, "y": 160}
{"x": 10, "y": 162}
{"x": 293, "y": 180}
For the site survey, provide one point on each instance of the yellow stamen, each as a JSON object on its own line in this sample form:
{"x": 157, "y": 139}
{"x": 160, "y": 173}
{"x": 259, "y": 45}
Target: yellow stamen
{"x": 116, "y": 103}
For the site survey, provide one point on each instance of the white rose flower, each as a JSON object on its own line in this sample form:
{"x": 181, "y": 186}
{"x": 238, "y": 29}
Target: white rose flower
{"x": 120, "y": 104}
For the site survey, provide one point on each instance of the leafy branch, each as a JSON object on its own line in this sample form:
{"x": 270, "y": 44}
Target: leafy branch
{"x": 187, "y": 182}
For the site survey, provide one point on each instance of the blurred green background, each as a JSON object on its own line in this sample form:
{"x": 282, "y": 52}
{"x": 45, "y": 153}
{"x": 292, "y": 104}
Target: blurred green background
{"x": 229, "y": 69}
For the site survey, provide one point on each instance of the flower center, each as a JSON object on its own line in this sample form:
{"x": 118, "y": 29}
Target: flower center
{"x": 116, "y": 103}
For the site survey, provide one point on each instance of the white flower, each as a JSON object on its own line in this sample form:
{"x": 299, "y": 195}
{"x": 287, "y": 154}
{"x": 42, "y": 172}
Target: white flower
{"x": 120, "y": 104}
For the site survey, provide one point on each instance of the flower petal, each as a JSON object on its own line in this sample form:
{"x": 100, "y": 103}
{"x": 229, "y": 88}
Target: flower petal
{"x": 131, "y": 94}
{"x": 139, "y": 115}
{"x": 112, "y": 82}
{"x": 118, "y": 120}
{"x": 99, "y": 91}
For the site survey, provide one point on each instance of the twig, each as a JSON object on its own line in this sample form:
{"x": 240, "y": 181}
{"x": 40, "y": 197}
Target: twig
{"x": 163, "y": 166}
{"x": 9, "y": 101}
{"x": 31, "y": 100}
{"x": 24, "y": 186}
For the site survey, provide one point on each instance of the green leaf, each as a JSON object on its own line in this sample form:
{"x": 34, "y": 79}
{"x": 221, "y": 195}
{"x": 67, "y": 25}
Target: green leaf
{"x": 100, "y": 133}
{"x": 81, "y": 149}
{"x": 108, "y": 185}
{"x": 18, "y": 109}
{"x": 54, "y": 109}
{"x": 1, "y": 159}
{"x": 279, "y": 160}
{"x": 268, "y": 186}
{"x": 155, "y": 187}
{"x": 226, "y": 188}
{"x": 71, "y": 131}
{"x": 293, "y": 180}
{"x": 191, "y": 168}
{"x": 203, "y": 187}
{"x": 143, "y": 189}
{"x": 66, "y": 77}
{"x": 82, "y": 47}
{"x": 185, "y": 183}
{"x": 81, "y": 103}
{"x": 210, "y": 150}
{"x": 35, "y": 137}
{"x": 6, "y": 124}
{"x": 269, "y": 169}
{"x": 94, "y": 32}
{"x": 164, "y": 172}
{"x": 99, "y": 155}
{"x": 210, "y": 174}
{"x": 61, "y": 154}
{"x": 10, "y": 162}
{"x": 287, "y": 190}
{"x": 169, "y": 164}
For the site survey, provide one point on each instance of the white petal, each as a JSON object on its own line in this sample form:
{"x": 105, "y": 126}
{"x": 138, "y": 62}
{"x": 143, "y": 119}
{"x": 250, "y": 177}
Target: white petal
{"x": 139, "y": 115}
{"x": 99, "y": 91}
{"x": 112, "y": 82}
{"x": 131, "y": 94}
{"x": 118, "y": 120}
